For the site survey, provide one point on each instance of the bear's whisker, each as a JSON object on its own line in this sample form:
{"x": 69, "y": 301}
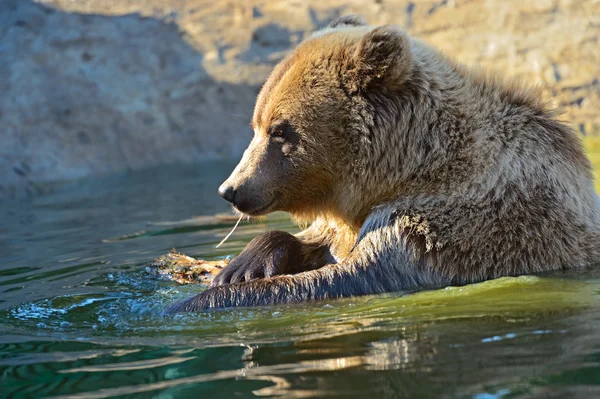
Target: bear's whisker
{"x": 231, "y": 232}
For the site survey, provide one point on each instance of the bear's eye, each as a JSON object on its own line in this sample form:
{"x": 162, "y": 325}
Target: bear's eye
{"x": 278, "y": 138}
{"x": 280, "y": 132}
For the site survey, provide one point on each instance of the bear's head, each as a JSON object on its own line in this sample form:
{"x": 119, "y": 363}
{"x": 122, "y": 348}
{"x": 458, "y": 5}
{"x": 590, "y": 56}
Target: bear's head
{"x": 313, "y": 116}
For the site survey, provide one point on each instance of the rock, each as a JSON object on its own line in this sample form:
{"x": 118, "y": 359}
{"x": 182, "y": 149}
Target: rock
{"x": 269, "y": 44}
{"x": 89, "y": 94}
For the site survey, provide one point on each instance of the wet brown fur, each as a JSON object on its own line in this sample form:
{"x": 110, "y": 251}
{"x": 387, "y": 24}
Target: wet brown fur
{"x": 414, "y": 172}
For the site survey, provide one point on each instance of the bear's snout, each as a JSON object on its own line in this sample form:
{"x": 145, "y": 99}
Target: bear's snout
{"x": 227, "y": 192}
{"x": 245, "y": 198}
{"x": 251, "y": 186}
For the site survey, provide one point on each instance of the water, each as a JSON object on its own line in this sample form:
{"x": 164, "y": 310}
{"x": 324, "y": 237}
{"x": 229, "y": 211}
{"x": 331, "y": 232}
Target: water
{"x": 80, "y": 319}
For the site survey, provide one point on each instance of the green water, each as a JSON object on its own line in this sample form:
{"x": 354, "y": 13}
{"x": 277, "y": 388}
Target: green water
{"x": 80, "y": 319}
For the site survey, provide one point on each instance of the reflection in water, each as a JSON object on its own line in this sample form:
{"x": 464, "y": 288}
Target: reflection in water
{"x": 79, "y": 316}
{"x": 426, "y": 361}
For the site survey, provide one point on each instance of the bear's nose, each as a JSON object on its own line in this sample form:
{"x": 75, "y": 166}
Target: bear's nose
{"x": 227, "y": 192}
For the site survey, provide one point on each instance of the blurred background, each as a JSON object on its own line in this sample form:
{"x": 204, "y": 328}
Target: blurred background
{"x": 91, "y": 87}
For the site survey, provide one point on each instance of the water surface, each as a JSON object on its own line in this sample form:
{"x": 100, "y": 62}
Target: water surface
{"x": 79, "y": 318}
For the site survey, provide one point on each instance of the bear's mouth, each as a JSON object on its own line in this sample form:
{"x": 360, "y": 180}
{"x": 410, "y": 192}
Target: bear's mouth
{"x": 260, "y": 211}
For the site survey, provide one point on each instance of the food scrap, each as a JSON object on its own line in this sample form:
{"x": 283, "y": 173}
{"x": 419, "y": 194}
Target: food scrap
{"x": 183, "y": 269}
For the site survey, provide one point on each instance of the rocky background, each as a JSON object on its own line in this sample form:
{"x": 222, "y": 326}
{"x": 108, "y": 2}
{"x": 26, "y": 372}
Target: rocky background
{"x": 97, "y": 86}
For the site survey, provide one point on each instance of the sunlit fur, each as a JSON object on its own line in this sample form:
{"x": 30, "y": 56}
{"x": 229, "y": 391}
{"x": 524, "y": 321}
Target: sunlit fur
{"x": 415, "y": 172}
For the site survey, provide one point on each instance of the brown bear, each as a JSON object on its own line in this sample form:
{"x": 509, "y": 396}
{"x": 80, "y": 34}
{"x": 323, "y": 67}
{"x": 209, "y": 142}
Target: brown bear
{"x": 413, "y": 171}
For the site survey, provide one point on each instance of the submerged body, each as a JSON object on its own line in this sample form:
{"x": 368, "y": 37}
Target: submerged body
{"x": 413, "y": 171}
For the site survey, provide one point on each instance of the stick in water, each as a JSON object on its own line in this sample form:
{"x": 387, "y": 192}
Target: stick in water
{"x": 231, "y": 232}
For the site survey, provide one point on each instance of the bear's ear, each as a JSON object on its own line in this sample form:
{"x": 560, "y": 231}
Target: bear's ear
{"x": 383, "y": 55}
{"x": 348, "y": 20}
